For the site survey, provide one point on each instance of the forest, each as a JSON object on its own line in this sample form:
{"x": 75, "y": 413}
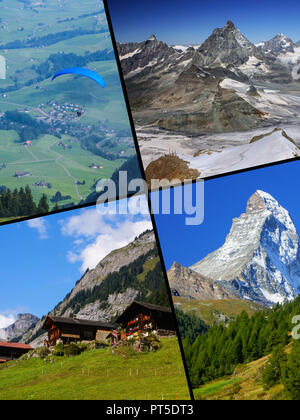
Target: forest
{"x": 151, "y": 290}
{"x": 20, "y": 203}
{"x": 216, "y": 352}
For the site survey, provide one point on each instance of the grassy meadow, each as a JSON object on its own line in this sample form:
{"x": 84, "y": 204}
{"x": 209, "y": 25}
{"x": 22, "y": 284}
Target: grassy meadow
{"x": 98, "y": 375}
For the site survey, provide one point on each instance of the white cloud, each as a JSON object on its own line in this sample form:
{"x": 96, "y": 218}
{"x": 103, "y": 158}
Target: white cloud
{"x": 6, "y": 320}
{"x": 40, "y": 226}
{"x": 101, "y": 233}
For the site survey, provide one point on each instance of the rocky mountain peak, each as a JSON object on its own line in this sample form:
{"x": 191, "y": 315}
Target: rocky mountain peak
{"x": 230, "y": 25}
{"x": 187, "y": 283}
{"x": 152, "y": 38}
{"x": 279, "y": 44}
{"x": 23, "y": 323}
{"x": 260, "y": 258}
{"x": 256, "y": 202}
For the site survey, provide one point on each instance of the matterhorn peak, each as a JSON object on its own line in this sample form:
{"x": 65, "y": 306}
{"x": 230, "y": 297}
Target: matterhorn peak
{"x": 230, "y": 25}
{"x": 260, "y": 259}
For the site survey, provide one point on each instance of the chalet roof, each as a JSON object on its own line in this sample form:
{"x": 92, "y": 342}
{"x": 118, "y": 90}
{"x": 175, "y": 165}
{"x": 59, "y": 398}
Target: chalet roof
{"x": 140, "y": 306}
{"x": 15, "y": 345}
{"x": 77, "y": 322}
{"x": 154, "y": 307}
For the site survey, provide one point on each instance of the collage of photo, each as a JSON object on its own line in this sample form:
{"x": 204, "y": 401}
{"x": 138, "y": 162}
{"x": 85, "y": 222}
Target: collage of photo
{"x": 149, "y": 210}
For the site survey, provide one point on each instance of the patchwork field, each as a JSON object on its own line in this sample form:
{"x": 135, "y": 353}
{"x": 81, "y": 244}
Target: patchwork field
{"x": 37, "y": 40}
{"x": 46, "y": 161}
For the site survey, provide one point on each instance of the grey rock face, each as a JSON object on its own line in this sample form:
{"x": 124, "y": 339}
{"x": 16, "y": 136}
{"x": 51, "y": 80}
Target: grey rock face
{"x": 260, "y": 259}
{"x": 280, "y": 44}
{"x": 116, "y": 303}
{"x": 177, "y": 89}
{"x": 23, "y": 323}
{"x": 227, "y": 46}
{"x": 187, "y": 283}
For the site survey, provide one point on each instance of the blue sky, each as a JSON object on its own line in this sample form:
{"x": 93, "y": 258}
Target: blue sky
{"x": 226, "y": 198}
{"x": 41, "y": 260}
{"x": 192, "y": 21}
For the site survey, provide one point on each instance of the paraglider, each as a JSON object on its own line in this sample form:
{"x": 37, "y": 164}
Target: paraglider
{"x": 82, "y": 72}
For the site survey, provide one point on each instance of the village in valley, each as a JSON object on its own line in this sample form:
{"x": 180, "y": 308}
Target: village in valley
{"x": 59, "y": 137}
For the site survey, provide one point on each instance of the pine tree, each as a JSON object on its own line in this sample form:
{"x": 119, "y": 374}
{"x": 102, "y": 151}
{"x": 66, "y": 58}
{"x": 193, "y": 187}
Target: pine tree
{"x": 271, "y": 374}
{"x": 43, "y": 206}
{"x": 291, "y": 373}
{"x": 29, "y": 207}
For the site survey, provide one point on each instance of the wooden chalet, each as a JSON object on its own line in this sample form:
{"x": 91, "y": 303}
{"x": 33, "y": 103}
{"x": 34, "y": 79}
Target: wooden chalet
{"x": 73, "y": 329}
{"x": 12, "y": 351}
{"x": 145, "y": 317}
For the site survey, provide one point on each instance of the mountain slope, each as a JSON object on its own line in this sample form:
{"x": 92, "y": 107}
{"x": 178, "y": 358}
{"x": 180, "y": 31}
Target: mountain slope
{"x": 228, "y": 47}
{"x": 265, "y": 148}
{"x": 244, "y": 384}
{"x": 23, "y": 323}
{"x": 280, "y": 44}
{"x": 178, "y": 89}
{"x": 98, "y": 375}
{"x": 260, "y": 259}
{"x": 189, "y": 284}
{"x": 127, "y": 274}
{"x": 216, "y": 311}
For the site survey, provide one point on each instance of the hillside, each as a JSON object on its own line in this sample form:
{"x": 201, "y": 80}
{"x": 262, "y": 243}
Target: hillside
{"x": 76, "y": 131}
{"x": 126, "y": 274}
{"x": 244, "y": 384}
{"x": 217, "y": 358}
{"x": 216, "y": 311}
{"x": 98, "y": 375}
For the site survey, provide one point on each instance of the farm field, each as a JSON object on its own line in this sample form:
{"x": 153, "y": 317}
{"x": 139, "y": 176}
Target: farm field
{"x": 99, "y": 375}
{"x": 46, "y": 161}
{"x": 68, "y": 120}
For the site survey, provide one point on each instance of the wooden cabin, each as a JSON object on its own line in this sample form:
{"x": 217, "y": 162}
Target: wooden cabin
{"x": 12, "y": 351}
{"x": 145, "y": 317}
{"x": 72, "y": 329}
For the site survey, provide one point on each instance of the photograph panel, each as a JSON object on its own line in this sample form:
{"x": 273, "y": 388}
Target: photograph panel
{"x": 63, "y": 118}
{"x": 213, "y": 88}
{"x": 89, "y": 314}
{"x": 235, "y": 282}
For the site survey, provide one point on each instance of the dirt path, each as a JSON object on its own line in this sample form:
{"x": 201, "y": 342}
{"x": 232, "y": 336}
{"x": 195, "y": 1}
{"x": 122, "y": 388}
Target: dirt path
{"x": 59, "y": 156}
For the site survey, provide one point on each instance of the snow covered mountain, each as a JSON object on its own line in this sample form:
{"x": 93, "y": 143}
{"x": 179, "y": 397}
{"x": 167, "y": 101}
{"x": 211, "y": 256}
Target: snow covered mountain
{"x": 260, "y": 259}
{"x": 280, "y": 44}
{"x": 264, "y": 148}
{"x": 178, "y": 87}
{"x": 23, "y": 323}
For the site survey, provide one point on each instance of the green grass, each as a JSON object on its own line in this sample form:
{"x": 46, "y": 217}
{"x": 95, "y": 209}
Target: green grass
{"x": 106, "y": 105}
{"x": 149, "y": 265}
{"x": 214, "y": 311}
{"x": 214, "y": 387}
{"x": 244, "y": 384}
{"x": 98, "y": 375}
{"x": 48, "y": 168}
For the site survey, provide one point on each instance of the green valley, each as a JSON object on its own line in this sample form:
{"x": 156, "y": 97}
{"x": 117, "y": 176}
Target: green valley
{"x": 59, "y": 137}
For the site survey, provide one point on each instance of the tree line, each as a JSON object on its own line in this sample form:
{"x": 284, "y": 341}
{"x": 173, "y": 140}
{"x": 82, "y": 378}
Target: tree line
{"x": 151, "y": 290}
{"x": 216, "y": 352}
{"x": 19, "y": 203}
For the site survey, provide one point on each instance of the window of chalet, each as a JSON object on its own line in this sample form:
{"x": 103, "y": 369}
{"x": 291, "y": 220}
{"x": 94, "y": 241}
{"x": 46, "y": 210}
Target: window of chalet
{"x": 88, "y": 335}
